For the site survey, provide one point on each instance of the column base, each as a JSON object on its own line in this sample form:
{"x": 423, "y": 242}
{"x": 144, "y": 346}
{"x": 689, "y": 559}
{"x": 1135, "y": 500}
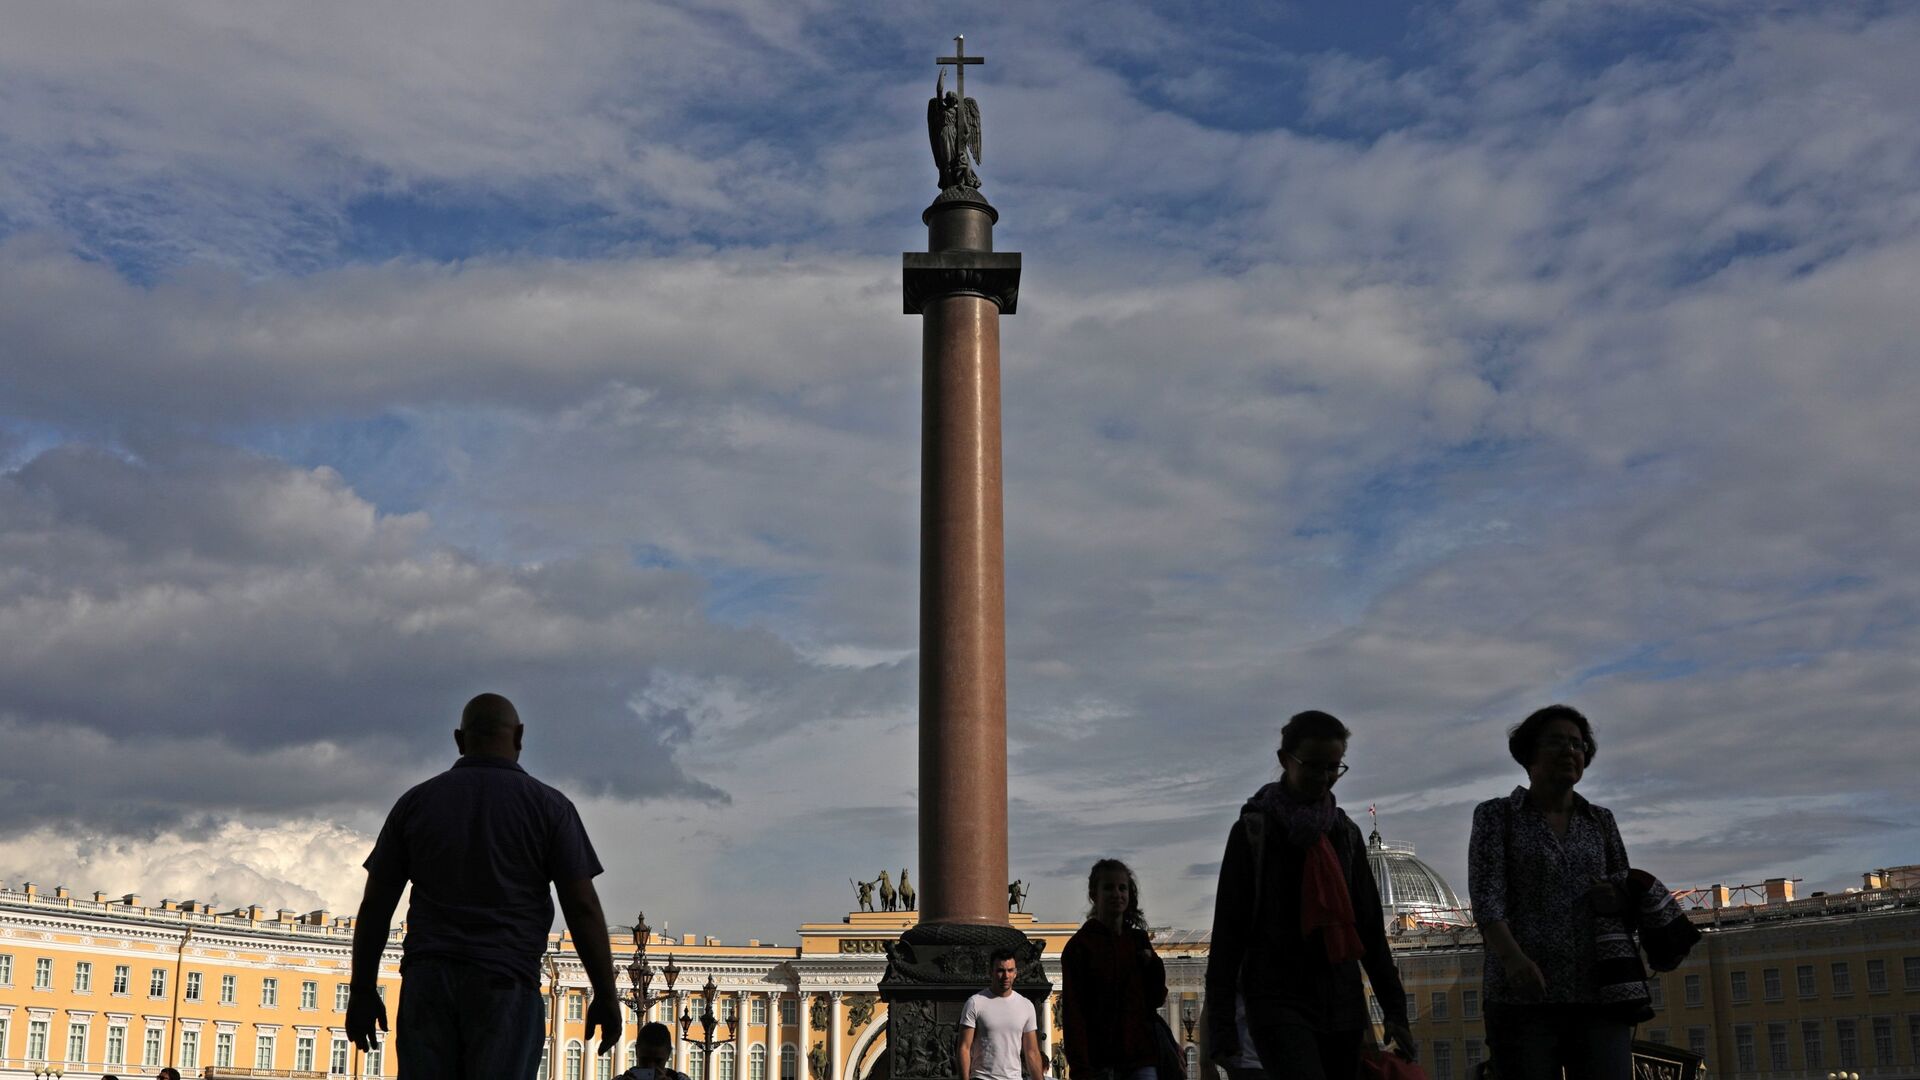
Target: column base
{"x": 931, "y": 972}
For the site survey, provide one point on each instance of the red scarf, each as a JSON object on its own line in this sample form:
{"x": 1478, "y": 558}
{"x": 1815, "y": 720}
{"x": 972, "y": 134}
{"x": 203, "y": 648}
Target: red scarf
{"x": 1325, "y": 905}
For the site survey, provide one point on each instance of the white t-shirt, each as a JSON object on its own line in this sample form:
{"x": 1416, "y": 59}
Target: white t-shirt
{"x": 1000, "y": 1026}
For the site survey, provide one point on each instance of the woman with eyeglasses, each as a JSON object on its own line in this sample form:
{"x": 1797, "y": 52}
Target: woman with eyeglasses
{"x": 1542, "y": 863}
{"x": 1297, "y": 917}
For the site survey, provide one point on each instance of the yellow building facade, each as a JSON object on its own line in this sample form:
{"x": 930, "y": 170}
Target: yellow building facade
{"x": 1780, "y": 989}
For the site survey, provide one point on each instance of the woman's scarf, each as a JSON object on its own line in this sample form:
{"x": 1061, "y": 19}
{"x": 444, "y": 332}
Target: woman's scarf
{"x": 1325, "y": 904}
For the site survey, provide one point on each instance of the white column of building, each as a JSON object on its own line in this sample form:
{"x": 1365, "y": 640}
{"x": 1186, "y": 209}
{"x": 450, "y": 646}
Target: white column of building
{"x": 1046, "y": 1022}
{"x": 673, "y": 1025}
{"x": 806, "y": 1035}
{"x": 773, "y": 1035}
{"x": 742, "y": 1016}
{"x": 833, "y": 1036}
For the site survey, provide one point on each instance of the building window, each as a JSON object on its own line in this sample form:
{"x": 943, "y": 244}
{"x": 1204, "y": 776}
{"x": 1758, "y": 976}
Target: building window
{"x": 193, "y": 986}
{"x": 189, "y": 1049}
{"x": 223, "y": 1050}
{"x": 1737, "y": 983}
{"x": 1810, "y": 1048}
{"x": 303, "y": 1053}
{"x": 43, "y": 973}
{"x": 1442, "y": 1060}
{"x": 1473, "y": 1056}
{"x": 1846, "y": 1038}
{"x": 77, "y": 1043}
{"x": 576, "y": 1006}
{"x": 269, "y": 993}
{"x": 1413, "y": 1009}
{"x": 309, "y": 994}
{"x": 1910, "y": 967}
{"x": 1193, "y": 1063}
{"x": 36, "y": 1040}
{"x": 1656, "y": 993}
{"x": 1697, "y": 1040}
{"x": 1470, "y": 1004}
{"x": 1692, "y": 985}
{"x": 1803, "y": 975}
{"x": 157, "y": 983}
{"x": 342, "y": 993}
{"x": 116, "y": 1044}
{"x": 1658, "y": 1035}
{"x": 723, "y": 1059}
{"x": 150, "y": 1048}
{"x": 1745, "y": 1060}
{"x": 757, "y": 1063}
{"x": 83, "y": 977}
{"x": 790, "y": 1058}
{"x": 759, "y": 1012}
{"x": 1883, "y": 1040}
{"x": 603, "y": 1067}
{"x": 1437, "y": 1007}
{"x": 375, "y": 1058}
{"x": 337, "y": 1058}
{"x": 1777, "y": 1047}
{"x": 729, "y": 1009}
{"x": 1842, "y": 978}
{"x": 1876, "y": 976}
{"x": 263, "y": 1051}
{"x": 1770, "y": 984}
{"x": 6, "y": 970}
{"x": 696, "y": 1063}
{"x": 121, "y": 974}
{"x": 790, "y": 1006}
{"x": 574, "y": 1059}
{"x": 228, "y": 985}
{"x": 546, "y": 1055}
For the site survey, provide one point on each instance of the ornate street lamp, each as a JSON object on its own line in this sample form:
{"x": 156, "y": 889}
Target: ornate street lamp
{"x": 640, "y": 973}
{"x": 709, "y": 1028}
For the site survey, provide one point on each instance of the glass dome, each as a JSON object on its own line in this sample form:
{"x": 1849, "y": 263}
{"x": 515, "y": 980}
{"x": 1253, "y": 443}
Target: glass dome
{"x": 1410, "y": 890}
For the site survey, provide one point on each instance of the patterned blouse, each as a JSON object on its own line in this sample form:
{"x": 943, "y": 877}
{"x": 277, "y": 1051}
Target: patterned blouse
{"x": 1519, "y": 872}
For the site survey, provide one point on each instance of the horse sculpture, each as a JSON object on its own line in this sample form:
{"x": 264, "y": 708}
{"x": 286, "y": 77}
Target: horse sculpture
{"x": 907, "y": 895}
{"x": 889, "y": 900}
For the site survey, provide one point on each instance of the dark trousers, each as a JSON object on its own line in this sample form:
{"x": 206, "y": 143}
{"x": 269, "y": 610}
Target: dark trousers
{"x": 1535, "y": 1042}
{"x": 458, "y": 1022}
{"x": 1290, "y": 1047}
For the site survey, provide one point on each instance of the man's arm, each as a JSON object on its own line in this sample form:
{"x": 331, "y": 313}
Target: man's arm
{"x": 580, "y": 906}
{"x": 963, "y": 1054}
{"x": 1030, "y": 1051}
{"x": 365, "y": 1010}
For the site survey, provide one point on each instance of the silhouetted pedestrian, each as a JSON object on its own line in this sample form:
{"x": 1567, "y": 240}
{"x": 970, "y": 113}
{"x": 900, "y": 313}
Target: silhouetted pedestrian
{"x": 1297, "y": 916}
{"x": 653, "y": 1055}
{"x": 1113, "y": 980}
{"x": 481, "y": 843}
{"x": 1542, "y": 863}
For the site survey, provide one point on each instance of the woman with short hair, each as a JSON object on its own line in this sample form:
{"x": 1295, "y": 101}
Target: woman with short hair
{"x": 1543, "y": 862}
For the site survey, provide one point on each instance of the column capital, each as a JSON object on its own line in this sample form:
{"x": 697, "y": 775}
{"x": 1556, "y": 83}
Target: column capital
{"x": 929, "y": 275}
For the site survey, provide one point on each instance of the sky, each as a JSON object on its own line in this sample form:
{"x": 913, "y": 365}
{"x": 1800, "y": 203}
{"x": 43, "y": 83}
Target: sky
{"x": 1421, "y": 363}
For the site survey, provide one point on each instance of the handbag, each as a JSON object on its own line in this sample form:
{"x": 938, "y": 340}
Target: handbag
{"x": 1382, "y": 1065}
{"x": 1169, "y": 1061}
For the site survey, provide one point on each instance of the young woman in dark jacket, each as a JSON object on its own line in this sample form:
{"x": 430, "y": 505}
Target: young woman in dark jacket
{"x": 1113, "y": 980}
{"x": 1297, "y": 917}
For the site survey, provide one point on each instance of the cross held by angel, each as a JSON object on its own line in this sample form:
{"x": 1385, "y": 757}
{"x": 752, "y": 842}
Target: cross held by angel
{"x": 953, "y": 122}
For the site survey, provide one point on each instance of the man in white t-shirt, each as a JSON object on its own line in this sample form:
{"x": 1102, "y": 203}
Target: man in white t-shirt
{"x": 999, "y": 1031}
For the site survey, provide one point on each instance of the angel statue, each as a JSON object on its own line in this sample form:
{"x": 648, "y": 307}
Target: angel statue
{"x": 953, "y": 124}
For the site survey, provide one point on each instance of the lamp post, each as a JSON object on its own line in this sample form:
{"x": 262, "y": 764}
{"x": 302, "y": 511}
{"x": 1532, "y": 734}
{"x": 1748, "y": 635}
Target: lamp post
{"x": 709, "y": 1028}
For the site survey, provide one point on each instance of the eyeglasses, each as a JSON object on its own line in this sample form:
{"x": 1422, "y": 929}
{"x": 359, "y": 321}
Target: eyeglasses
{"x": 1333, "y": 769}
{"x": 1562, "y": 742}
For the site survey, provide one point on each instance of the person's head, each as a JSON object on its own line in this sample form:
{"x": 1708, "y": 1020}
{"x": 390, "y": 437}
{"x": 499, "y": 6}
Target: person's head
{"x": 1001, "y": 968}
{"x": 490, "y": 727}
{"x": 1313, "y": 749}
{"x": 1115, "y": 894}
{"x": 169, "y": 1073}
{"x": 654, "y": 1046}
{"x": 1555, "y": 745}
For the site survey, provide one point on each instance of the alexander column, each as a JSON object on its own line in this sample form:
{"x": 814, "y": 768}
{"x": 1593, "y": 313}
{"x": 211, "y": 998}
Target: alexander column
{"x": 959, "y": 287}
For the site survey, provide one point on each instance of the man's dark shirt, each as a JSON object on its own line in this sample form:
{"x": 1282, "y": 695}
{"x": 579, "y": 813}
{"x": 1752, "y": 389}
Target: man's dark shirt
{"x": 481, "y": 842}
